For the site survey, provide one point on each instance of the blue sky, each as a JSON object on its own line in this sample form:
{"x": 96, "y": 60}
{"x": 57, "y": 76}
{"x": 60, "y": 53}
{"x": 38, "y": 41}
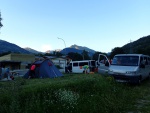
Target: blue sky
{"x": 98, "y": 24}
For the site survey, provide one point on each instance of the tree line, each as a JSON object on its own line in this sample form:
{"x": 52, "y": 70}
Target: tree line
{"x": 75, "y": 56}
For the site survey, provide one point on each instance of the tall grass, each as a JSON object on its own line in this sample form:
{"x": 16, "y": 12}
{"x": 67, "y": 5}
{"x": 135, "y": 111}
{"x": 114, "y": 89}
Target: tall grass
{"x": 73, "y": 93}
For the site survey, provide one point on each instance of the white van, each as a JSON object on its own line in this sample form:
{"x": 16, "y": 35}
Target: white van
{"x": 131, "y": 68}
{"x": 77, "y": 66}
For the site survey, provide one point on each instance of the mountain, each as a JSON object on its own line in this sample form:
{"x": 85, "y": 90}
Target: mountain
{"x": 82, "y": 48}
{"x": 77, "y": 49}
{"x": 141, "y": 46}
{"x": 68, "y": 50}
{"x": 10, "y": 47}
{"x": 32, "y": 50}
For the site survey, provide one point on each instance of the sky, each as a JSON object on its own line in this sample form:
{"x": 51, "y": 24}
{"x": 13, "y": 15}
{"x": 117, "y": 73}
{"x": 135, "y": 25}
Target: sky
{"x": 100, "y": 25}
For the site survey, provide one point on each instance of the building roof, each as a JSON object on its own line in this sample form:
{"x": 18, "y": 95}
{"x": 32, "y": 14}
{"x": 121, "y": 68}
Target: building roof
{"x": 8, "y": 61}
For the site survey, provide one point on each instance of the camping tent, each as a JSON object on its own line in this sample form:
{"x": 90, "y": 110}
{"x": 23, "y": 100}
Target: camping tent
{"x": 45, "y": 69}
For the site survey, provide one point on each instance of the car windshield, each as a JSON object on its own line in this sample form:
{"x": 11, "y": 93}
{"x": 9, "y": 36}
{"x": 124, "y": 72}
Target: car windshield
{"x": 125, "y": 60}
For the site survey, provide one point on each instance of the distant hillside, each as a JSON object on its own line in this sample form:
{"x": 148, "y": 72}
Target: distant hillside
{"x": 10, "y": 47}
{"x": 141, "y": 46}
{"x": 77, "y": 49}
{"x": 68, "y": 50}
{"x": 32, "y": 50}
{"x": 82, "y": 48}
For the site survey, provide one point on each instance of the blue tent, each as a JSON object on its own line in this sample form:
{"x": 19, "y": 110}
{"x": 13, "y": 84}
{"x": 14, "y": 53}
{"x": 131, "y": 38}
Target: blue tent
{"x": 45, "y": 69}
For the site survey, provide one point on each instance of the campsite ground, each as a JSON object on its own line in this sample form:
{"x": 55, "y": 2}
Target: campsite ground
{"x": 143, "y": 102}
{"x": 74, "y": 93}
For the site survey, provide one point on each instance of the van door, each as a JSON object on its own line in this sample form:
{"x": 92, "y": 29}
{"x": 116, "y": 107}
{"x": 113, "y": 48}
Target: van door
{"x": 143, "y": 71}
{"x": 103, "y": 64}
{"x": 147, "y": 67}
{"x": 92, "y": 65}
{"x": 75, "y": 67}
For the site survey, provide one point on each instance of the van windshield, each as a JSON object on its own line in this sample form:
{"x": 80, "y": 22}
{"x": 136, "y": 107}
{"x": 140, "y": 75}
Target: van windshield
{"x": 125, "y": 60}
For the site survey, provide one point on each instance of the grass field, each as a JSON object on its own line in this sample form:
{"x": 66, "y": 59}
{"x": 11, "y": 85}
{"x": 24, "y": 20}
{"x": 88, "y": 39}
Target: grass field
{"x": 74, "y": 93}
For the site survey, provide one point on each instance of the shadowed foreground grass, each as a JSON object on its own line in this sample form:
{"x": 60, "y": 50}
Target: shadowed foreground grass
{"x": 73, "y": 93}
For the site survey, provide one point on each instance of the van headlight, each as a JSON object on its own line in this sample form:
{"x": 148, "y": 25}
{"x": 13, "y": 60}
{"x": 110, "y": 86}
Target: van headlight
{"x": 131, "y": 72}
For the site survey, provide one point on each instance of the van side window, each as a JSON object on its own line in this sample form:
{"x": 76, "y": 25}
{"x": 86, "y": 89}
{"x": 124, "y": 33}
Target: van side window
{"x": 83, "y": 63}
{"x": 103, "y": 59}
{"x": 75, "y": 64}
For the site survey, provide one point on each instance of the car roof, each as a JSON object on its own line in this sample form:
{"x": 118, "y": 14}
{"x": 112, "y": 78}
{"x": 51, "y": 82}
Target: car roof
{"x": 130, "y": 55}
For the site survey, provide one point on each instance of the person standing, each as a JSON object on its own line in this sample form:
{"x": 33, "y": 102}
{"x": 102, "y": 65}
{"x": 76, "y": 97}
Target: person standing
{"x": 32, "y": 71}
{"x": 86, "y": 67}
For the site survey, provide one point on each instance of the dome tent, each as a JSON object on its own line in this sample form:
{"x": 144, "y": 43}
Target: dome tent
{"x": 45, "y": 69}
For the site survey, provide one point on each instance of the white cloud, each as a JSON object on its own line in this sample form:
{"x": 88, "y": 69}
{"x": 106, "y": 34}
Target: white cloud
{"x": 45, "y": 47}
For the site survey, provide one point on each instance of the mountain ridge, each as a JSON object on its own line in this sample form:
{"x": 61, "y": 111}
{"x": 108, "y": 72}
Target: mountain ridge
{"x": 141, "y": 45}
{"x": 82, "y": 48}
{"x": 10, "y": 47}
{"x": 32, "y": 50}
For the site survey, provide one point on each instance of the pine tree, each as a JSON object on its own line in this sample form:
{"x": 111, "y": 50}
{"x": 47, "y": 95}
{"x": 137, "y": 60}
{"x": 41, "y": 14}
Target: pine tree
{"x": 0, "y": 21}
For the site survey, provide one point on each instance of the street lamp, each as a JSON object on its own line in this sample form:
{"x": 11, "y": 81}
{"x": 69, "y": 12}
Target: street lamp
{"x": 64, "y": 44}
{"x": 65, "y": 54}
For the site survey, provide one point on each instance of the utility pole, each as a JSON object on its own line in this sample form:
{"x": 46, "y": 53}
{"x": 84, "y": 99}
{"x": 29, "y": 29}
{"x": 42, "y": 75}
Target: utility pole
{"x": 131, "y": 46}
